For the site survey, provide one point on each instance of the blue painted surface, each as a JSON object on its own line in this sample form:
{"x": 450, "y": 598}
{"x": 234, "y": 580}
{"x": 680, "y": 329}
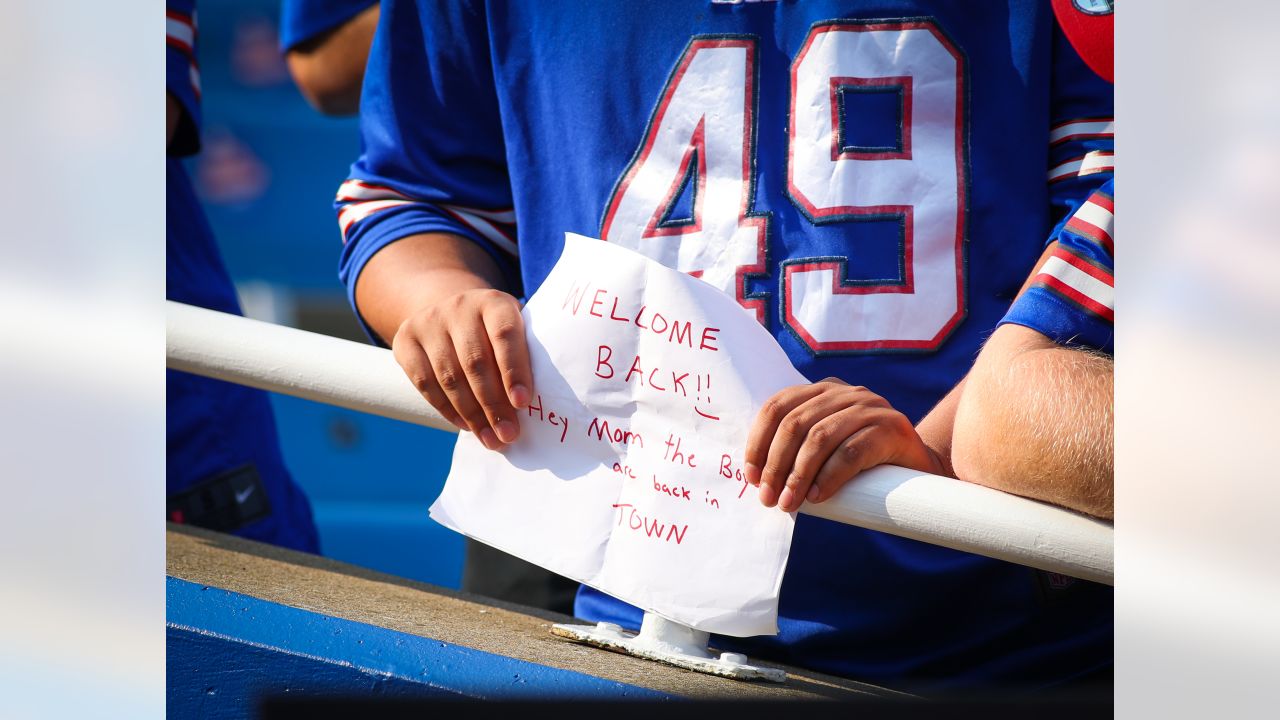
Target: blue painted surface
{"x": 271, "y": 164}
{"x": 371, "y": 481}
{"x": 225, "y": 651}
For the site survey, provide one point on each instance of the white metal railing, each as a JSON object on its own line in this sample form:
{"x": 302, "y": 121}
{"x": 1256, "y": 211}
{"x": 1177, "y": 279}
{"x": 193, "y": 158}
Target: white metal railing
{"x": 938, "y": 510}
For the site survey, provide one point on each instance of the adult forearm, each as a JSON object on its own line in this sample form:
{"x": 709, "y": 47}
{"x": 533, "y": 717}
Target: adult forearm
{"x": 1036, "y": 419}
{"x": 415, "y": 272}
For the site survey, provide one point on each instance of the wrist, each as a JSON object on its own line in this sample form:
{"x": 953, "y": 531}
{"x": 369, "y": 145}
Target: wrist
{"x": 921, "y": 456}
{"x": 941, "y": 464}
{"x": 439, "y": 287}
{"x": 418, "y": 272}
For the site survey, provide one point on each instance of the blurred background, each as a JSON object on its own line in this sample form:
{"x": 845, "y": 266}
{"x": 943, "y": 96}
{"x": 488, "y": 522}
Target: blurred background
{"x": 267, "y": 174}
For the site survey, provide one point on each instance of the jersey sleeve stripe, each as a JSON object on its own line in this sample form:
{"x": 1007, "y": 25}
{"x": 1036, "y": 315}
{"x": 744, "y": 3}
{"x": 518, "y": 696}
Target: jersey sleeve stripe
{"x": 1095, "y": 222}
{"x": 1088, "y": 266}
{"x": 1080, "y": 282}
{"x": 358, "y": 190}
{"x": 180, "y": 34}
{"x": 356, "y": 212}
{"x": 1083, "y": 129}
{"x": 506, "y": 217}
{"x": 1103, "y": 200}
{"x": 484, "y": 227}
{"x": 354, "y": 190}
{"x": 1090, "y": 163}
{"x": 1075, "y": 297}
{"x": 180, "y": 31}
{"x": 364, "y": 199}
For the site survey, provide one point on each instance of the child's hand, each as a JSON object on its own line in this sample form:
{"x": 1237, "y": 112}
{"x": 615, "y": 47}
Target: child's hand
{"x": 809, "y": 440}
{"x": 467, "y": 355}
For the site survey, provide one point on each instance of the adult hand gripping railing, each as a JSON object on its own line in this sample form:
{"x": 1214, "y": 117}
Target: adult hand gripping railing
{"x": 938, "y": 510}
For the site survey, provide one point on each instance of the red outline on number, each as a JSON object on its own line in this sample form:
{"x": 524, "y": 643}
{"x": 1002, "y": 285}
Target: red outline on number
{"x": 898, "y": 81}
{"x": 814, "y": 212}
{"x": 748, "y": 152}
{"x": 698, "y": 144}
{"x": 906, "y": 288}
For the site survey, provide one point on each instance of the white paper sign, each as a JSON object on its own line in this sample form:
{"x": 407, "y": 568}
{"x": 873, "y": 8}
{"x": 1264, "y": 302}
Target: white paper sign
{"x": 628, "y": 473}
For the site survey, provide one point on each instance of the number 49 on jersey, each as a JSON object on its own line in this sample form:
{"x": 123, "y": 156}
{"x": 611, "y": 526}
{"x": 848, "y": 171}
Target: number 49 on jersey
{"x": 702, "y": 133}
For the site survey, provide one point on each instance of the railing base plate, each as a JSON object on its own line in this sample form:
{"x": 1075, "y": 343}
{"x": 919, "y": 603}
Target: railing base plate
{"x": 612, "y": 637}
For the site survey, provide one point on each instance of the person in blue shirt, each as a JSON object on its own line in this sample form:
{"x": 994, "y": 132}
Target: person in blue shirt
{"x": 873, "y": 184}
{"x": 326, "y": 44}
{"x": 223, "y": 468}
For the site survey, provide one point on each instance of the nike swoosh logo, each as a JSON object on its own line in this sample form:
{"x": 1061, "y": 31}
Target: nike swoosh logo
{"x": 242, "y": 496}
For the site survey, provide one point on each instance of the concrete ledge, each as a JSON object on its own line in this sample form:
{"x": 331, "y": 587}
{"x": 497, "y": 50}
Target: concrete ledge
{"x": 355, "y": 631}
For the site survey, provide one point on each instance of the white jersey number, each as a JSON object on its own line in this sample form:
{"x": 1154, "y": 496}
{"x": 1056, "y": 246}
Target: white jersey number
{"x": 705, "y": 116}
{"x": 702, "y": 132}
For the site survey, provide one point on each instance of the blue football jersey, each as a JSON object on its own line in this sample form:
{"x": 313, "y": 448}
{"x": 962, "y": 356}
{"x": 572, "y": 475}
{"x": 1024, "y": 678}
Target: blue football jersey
{"x": 873, "y": 181}
{"x": 223, "y": 462}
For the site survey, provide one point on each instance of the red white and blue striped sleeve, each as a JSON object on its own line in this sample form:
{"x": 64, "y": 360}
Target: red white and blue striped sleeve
{"x": 433, "y": 157}
{"x": 183, "y": 72}
{"x": 358, "y": 200}
{"x": 1072, "y": 298}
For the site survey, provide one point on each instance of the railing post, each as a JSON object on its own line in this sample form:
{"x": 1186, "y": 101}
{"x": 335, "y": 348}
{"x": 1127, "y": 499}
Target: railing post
{"x": 670, "y": 642}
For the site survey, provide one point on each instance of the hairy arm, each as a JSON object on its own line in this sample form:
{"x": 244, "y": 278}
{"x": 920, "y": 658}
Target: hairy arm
{"x": 1036, "y": 419}
{"x": 938, "y": 427}
{"x": 329, "y": 69}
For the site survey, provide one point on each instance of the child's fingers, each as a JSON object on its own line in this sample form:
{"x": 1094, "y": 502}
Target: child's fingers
{"x": 505, "y": 326}
{"x": 480, "y": 368}
{"x": 413, "y": 359}
{"x": 452, "y": 376}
